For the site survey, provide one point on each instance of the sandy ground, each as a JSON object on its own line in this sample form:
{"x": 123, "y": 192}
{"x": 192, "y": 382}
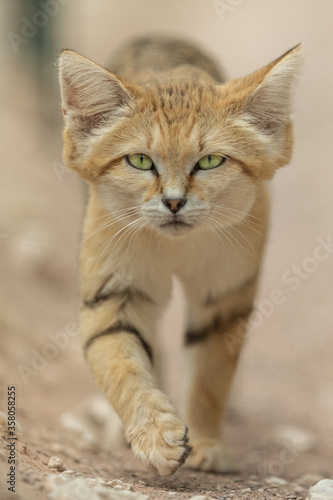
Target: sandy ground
{"x": 280, "y": 418}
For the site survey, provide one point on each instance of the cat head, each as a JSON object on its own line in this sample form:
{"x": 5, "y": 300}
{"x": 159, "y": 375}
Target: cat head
{"x": 179, "y": 149}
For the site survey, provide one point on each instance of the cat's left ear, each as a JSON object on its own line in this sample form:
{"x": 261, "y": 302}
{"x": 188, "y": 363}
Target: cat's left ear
{"x": 268, "y": 103}
{"x": 90, "y": 94}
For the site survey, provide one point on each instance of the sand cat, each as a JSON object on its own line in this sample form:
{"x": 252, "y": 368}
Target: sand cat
{"x": 176, "y": 161}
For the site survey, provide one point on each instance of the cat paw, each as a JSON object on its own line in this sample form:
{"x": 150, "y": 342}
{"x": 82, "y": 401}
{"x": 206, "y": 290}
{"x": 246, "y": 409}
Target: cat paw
{"x": 210, "y": 455}
{"x": 162, "y": 443}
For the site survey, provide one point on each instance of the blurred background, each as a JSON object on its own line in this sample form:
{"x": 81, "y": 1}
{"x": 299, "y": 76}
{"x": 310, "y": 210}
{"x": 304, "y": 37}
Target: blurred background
{"x": 284, "y": 387}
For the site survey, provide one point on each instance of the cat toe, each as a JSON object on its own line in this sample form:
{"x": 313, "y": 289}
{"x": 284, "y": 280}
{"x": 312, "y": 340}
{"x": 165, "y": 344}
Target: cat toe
{"x": 163, "y": 446}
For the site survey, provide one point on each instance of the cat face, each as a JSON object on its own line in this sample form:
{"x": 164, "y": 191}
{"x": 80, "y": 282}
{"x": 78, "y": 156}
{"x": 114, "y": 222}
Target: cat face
{"x": 179, "y": 171}
{"x": 179, "y": 154}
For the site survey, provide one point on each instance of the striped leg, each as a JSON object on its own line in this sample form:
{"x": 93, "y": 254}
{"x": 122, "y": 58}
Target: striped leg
{"x": 117, "y": 331}
{"x": 212, "y": 351}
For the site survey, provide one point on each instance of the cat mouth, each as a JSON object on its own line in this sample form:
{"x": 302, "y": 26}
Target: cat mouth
{"x": 175, "y": 224}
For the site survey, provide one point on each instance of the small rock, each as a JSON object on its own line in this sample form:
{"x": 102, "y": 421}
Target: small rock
{"x": 201, "y": 497}
{"x": 309, "y": 479}
{"x": 275, "y": 481}
{"x": 246, "y": 490}
{"x": 100, "y": 415}
{"x": 118, "y": 485}
{"x": 61, "y": 488}
{"x": 64, "y": 488}
{"x": 97, "y": 409}
{"x": 300, "y": 490}
{"x": 32, "y": 247}
{"x": 73, "y": 423}
{"x": 94, "y": 481}
{"x": 296, "y": 437}
{"x": 71, "y": 474}
{"x": 79, "y": 427}
{"x": 323, "y": 490}
{"x": 56, "y": 463}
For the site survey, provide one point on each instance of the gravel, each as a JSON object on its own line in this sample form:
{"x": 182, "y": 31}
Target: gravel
{"x": 79, "y": 488}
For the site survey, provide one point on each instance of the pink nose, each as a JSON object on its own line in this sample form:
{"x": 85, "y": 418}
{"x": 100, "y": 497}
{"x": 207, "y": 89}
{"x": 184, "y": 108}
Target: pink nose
{"x": 174, "y": 205}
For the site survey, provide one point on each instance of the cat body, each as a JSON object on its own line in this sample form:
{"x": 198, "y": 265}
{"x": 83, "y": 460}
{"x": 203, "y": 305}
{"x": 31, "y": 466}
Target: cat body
{"x": 177, "y": 163}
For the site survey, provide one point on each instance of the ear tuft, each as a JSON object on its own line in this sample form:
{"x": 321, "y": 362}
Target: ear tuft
{"x": 269, "y": 104}
{"x": 90, "y": 94}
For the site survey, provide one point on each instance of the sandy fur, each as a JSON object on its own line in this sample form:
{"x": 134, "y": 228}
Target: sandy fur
{"x": 176, "y": 112}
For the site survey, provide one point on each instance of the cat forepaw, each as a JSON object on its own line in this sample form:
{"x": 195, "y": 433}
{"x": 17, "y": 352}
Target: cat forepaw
{"x": 162, "y": 444}
{"x": 210, "y": 455}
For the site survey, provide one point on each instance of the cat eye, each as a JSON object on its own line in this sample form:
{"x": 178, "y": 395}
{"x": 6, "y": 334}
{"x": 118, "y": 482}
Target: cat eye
{"x": 211, "y": 161}
{"x": 141, "y": 161}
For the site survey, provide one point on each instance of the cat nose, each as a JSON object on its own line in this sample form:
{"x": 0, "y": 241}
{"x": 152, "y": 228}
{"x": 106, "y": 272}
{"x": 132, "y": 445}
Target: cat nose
{"x": 174, "y": 205}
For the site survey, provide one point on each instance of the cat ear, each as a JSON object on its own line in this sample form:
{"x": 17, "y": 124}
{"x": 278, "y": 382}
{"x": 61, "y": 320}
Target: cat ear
{"x": 268, "y": 106}
{"x": 90, "y": 94}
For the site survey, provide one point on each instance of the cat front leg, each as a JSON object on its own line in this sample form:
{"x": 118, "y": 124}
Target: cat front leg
{"x": 117, "y": 328}
{"x": 213, "y": 344}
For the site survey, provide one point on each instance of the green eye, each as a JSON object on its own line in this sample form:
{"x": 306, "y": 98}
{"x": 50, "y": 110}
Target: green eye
{"x": 138, "y": 160}
{"x": 211, "y": 161}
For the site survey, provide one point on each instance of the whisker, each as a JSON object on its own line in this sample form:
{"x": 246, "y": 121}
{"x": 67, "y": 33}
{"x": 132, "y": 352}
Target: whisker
{"x": 240, "y": 223}
{"x": 105, "y": 225}
{"x": 107, "y": 243}
{"x": 121, "y": 241}
{"x": 226, "y": 235}
{"x": 218, "y": 237}
{"x": 108, "y": 214}
{"x": 246, "y": 216}
{"x": 226, "y": 230}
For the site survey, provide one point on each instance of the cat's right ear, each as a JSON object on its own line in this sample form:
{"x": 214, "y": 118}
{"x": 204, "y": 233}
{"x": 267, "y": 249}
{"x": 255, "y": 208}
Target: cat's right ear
{"x": 91, "y": 95}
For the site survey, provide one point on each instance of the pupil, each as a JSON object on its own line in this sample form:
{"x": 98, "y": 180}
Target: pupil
{"x": 209, "y": 158}
{"x": 141, "y": 158}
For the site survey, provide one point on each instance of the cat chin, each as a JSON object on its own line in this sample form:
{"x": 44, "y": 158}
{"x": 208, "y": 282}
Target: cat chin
{"x": 175, "y": 229}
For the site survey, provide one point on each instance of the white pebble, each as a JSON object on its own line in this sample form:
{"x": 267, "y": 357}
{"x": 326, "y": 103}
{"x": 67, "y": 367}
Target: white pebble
{"x": 73, "y": 423}
{"x": 32, "y": 246}
{"x": 118, "y": 485}
{"x": 94, "y": 481}
{"x": 63, "y": 488}
{"x": 322, "y": 490}
{"x": 71, "y": 474}
{"x": 201, "y": 497}
{"x": 275, "y": 481}
{"x": 79, "y": 427}
{"x": 56, "y": 463}
{"x": 299, "y": 439}
{"x": 98, "y": 409}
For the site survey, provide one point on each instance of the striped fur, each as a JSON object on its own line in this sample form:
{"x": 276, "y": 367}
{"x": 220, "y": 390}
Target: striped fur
{"x": 166, "y": 99}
